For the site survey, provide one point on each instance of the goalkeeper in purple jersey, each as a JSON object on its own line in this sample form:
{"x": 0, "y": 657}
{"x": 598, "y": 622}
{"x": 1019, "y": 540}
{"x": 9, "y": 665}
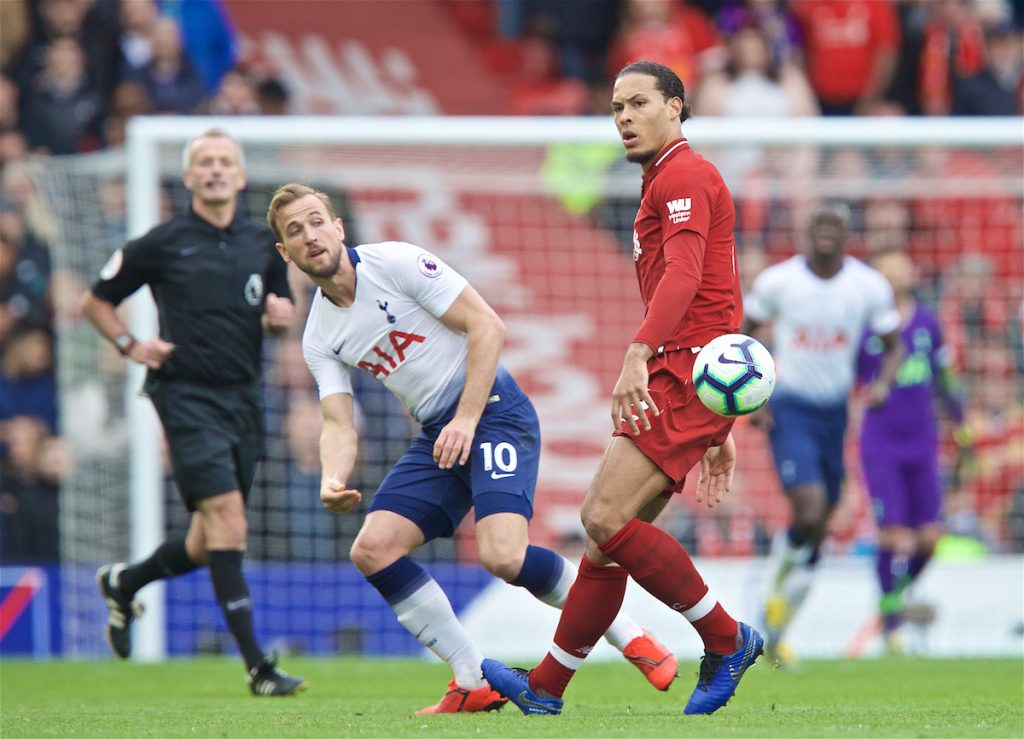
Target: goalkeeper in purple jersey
{"x": 899, "y": 444}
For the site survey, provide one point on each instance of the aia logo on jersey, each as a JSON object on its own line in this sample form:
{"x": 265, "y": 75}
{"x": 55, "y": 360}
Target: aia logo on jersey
{"x": 637, "y": 251}
{"x": 429, "y": 265}
{"x": 678, "y": 210}
{"x": 392, "y": 353}
{"x": 820, "y": 339}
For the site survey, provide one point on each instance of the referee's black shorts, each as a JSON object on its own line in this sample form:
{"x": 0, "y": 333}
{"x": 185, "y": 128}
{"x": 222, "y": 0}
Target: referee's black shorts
{"x": 215, "y": 435}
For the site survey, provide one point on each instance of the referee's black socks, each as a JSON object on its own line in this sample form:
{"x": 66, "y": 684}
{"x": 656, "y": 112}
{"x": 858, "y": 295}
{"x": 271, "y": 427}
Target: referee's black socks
{"x": 169, "y": 560}
{"x": 232, "y": 593}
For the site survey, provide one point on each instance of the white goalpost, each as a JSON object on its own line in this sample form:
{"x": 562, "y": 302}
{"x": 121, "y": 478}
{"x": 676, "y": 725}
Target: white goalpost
{"x": 537, "y": 214}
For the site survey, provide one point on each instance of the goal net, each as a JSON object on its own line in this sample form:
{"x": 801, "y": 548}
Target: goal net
{"x": 538, "y": 215}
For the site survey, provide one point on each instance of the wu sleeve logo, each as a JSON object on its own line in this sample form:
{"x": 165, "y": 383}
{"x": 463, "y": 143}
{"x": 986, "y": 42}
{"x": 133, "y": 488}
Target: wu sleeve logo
{"x": 678, "y": 210}
{"x": 429, "y": 265}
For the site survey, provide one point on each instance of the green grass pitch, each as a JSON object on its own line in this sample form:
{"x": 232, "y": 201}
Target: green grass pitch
{"x": 350, "y": 697}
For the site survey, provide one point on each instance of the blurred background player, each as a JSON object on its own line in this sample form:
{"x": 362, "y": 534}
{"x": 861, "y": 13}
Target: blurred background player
{"x": 685, "y": 255}
{"x": 218, "y": 285}
{"x": 899, "y": 444}
{"x": 423, "y": 331}
{"x": 820, "y": 304}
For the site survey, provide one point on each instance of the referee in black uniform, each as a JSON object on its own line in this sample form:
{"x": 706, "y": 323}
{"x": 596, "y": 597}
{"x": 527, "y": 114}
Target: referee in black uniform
{"x": 218, "y": 284}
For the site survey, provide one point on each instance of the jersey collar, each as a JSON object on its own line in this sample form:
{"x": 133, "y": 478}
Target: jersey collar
{"x": 665, "y": 156}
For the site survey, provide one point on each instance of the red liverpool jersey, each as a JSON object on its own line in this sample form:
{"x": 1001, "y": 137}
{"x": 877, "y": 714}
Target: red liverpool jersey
{"x": 701, "y": 297}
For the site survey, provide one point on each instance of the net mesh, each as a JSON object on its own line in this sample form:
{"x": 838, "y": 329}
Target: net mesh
{"x": 545, "y": 235}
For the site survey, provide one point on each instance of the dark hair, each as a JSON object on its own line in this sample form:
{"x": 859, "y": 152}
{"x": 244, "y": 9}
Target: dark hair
{"x": 665, "y": 80}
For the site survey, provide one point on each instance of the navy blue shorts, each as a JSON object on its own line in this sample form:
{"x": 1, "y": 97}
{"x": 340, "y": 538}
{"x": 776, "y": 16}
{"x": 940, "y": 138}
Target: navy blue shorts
{"x": 807, "y": 443}
{"x": 500, "y": 477}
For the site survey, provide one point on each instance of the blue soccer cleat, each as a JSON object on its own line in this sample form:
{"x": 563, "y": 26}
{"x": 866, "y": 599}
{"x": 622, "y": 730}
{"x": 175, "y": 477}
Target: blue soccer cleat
{"x": 514, "y": 684}
{"x": 721, "y": 673}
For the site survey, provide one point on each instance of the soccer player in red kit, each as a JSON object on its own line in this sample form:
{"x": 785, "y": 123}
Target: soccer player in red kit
{"x": 685, "y": 256}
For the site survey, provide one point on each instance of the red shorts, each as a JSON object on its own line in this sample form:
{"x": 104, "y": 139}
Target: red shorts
{"x": 686, "y": 428}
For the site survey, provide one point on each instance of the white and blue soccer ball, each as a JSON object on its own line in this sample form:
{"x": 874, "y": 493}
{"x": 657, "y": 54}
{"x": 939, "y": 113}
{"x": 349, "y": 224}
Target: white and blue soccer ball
{"x": 734, "y": 375}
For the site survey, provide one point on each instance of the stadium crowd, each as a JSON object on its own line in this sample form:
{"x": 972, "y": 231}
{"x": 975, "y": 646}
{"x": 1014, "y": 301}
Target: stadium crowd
{"x": 75, "y": 71}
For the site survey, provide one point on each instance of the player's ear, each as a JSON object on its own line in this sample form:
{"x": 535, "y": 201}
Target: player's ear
{"x": 340, "y": 226}
{"x": 675, "y": 107}
{"x": 283, "y": 252}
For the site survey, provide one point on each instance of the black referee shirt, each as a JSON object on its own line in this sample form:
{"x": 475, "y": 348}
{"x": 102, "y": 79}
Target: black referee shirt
{"x": 209, "y": 285}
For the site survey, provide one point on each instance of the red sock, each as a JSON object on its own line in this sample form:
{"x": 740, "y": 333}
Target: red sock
{"x": 591, "y": 606}
{"x": 661, "y": 565}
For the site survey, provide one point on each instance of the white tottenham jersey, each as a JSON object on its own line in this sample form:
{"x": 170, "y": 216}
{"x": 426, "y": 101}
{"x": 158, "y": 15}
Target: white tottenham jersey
{"x": 818, "y": 323}
{"x": 392, "y": 329}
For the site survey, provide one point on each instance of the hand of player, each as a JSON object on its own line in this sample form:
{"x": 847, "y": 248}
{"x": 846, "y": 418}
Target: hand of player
{"x": 716, "y": 468}
{"x": 630, "y": 398}
{"x": 336, "y": 497}
{"x": 454, "y": 443}
{"x": 277, "y": 314}
{"x": 151, "y": 352}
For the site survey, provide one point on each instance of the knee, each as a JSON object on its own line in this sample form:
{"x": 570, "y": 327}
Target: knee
{"x": 600, "y": 521}
{"x": 504, "y": 562}
{"x": 370, "y": 554}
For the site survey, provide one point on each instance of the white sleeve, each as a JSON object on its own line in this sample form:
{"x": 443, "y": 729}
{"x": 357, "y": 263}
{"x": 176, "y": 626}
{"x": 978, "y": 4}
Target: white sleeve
{"x": 426, "y": 279}
{"x": 883, "y": 317}
{"x": 331, "y": 376}
{"x": 762, "y": 303}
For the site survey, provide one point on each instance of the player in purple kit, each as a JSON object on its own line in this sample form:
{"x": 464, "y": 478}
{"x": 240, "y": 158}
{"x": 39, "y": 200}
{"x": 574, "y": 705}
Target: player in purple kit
{"x": 899, "y": 444}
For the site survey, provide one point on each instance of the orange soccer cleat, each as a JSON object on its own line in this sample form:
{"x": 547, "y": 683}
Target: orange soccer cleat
{"x": 653, "y": 659}
{"x": 461, "y": 700}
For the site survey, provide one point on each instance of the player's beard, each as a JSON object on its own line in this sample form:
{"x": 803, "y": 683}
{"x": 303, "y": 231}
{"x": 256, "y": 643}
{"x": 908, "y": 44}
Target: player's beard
{"x": 640, "y": 157}
{"x": 327, "y": 270}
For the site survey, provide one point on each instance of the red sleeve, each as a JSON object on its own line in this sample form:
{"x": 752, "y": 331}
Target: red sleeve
{"x": 884, "y": 25}
{"x": 684, "y": 267}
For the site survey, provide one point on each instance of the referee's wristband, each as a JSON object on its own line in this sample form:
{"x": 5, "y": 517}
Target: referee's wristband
{"x": 125, "y": 343}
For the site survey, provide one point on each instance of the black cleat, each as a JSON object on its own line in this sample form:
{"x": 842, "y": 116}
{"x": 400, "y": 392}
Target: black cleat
{"x": 266, "y": 679}
{"x": 121, "y": 610}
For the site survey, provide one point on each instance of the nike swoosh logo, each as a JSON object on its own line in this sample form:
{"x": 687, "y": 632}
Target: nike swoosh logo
{"x": 725, "y": 360}
{"x": 234, "y": 605}
{"x": 190, "y": 250}
{"x": 338, "y": 350}
{"x": 524, "y": 699}
{"x": 496, "y": 476}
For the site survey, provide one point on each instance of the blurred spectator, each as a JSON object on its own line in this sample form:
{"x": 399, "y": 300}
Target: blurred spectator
{"x": 903, "y": 90}
{"x": 851, "y": 48}
{"x": 971, "y": 310}
{"x": 670, "y": 33}
{"x": 235, "y": 96}
{"x": 13, "y": 144}
{"x": 15, "y": 30}
{"x": 63, "y": 110}
{"x": 27, "y": 383}
{"x": 128, "y": 100}
{"x": 138, "y": 20}
{"x": 79, "y": 20}
{"x": 954, "y": 49}
{"x": 997, "y": 88}
{"x": 208, "y": 36}
{"x": 33, "y": 466}
{"x": 754, "y": 84}
{"x": 24, "y": 273}
{"x": 785, "y": 37}
{"x": 273, "y": 96}
{"x": 170, "y": 79}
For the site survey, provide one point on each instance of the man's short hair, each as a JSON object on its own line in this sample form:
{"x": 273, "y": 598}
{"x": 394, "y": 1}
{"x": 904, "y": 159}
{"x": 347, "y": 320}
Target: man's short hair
{"x": 211, "y": 133}
{"x": 666, "y": 81}
{"x": 288, "y": 194}
{"x": 832, "y": 209}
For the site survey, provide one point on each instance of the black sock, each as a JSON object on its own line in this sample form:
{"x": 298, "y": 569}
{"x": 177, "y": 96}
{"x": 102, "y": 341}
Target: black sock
{"x": 169, "y": 560}
{"x": 232, "y": 593}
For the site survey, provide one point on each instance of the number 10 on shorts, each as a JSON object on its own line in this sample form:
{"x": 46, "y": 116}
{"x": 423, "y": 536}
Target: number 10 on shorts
{"x": 501, "y": 456}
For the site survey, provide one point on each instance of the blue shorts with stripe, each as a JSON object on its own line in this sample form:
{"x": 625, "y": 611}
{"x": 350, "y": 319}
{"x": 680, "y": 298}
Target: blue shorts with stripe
{"x": 500, "y": 476}
{"x": 807, "y": 443}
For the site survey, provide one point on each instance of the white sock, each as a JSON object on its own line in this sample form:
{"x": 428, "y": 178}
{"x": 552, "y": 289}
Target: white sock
{"x": 782, "y": 559}
{"x": 428, "y": 616}
{"x": 623, "y": 629}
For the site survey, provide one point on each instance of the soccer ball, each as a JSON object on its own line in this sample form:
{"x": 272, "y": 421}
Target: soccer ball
{"x": 734, "y": 375}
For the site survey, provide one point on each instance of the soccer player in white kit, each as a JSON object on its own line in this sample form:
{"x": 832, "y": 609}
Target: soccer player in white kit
{"x": 819, "y": 305}
{"x": 417, "y": 326}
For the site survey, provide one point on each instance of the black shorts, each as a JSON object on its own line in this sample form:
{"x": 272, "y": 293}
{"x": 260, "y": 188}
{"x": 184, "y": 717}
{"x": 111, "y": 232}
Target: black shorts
{"x": 215, "y": 435}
